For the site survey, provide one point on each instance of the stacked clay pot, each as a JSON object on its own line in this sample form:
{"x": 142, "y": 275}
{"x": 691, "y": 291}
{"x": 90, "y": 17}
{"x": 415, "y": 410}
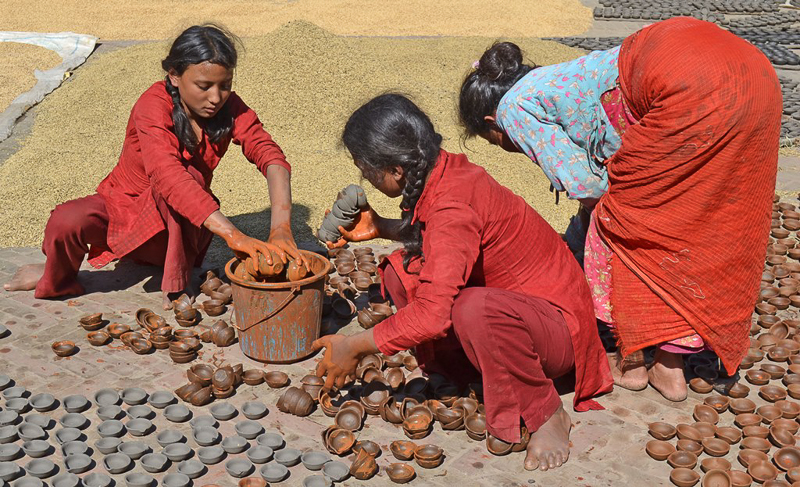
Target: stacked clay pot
{"x": 349, "y": 202}
{"x": 356, "y": 272}
{"x": 296, "y": 401}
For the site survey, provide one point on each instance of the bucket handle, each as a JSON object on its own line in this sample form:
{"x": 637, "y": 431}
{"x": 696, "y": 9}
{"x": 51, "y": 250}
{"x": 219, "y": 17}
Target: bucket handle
{"x": 284, "y": 303}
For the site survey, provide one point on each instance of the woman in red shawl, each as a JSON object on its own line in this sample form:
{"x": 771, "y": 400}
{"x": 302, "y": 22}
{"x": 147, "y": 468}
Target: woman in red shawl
{"x": 156, "y": 205}
{"x": 486, "y": 289}
{"x": 672, "y": 140}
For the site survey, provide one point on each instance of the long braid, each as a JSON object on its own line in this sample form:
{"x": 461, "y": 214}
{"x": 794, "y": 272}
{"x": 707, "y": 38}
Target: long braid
{"x": 415, "y": 184}
{"x": 183, "y": 127}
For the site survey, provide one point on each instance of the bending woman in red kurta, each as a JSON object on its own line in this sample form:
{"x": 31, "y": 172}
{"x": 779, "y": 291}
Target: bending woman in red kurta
{"x": 156, "y": 206}
{"x": 487, "y": 291}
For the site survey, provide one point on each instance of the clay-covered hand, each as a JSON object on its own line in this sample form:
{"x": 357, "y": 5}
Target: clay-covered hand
{"x": 244, "y": 246}
{"x": 282, "y": 238}
{"x": 364, "y": 227}
{"x": 338, "y": 363}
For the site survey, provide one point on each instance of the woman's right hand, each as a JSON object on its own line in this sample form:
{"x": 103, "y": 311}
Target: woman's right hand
{"x": 364, "y": 227}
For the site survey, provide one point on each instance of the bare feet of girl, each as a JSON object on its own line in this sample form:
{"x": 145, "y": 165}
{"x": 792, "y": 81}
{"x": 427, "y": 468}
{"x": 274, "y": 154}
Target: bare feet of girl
{"x": 26, "y": 278}
{"x": 666, "y": 376}
{"x": 629, "y": 373}
{"x": 549, "y": 445}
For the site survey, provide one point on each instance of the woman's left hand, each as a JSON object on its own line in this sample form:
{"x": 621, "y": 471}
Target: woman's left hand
{"x": 338, "y": 363}
{"x": 282, "y": 238}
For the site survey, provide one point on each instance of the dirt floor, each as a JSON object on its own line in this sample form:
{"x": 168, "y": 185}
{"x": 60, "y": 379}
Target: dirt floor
{"x": 304, "y": 82}
{"x": 17, "y": 64}
{"x": 158, "y": 20}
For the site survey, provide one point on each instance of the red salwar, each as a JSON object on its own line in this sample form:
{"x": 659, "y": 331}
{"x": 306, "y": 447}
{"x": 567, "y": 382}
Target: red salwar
{"x": 498, "y": 291}
{"x": 153, "y": 204}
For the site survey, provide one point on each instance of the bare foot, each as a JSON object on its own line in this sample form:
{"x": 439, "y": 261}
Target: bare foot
{"x": 549, "y": 445}
{"x": 666, "y": 376}
{"x": 629, "y": 373}
{"x": 166, "y": 302}
{"x": 26, "y": 278}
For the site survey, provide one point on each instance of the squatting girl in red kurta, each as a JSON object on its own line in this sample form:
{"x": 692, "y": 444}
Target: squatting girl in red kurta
{"x": 156, "y": 205}
{"x": 486, "y": 289}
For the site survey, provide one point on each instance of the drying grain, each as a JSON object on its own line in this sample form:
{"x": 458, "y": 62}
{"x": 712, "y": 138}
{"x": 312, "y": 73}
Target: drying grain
{"x": 158, "y": 20}
{"x": 17, "y": 64}
{"x": 304, "y": 82}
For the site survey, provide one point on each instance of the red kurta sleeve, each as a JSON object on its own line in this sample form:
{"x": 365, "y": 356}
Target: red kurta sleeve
{"x": 248, "y": 132}
{"x": 451, "y": 247}
{"x": 164, "y": 166}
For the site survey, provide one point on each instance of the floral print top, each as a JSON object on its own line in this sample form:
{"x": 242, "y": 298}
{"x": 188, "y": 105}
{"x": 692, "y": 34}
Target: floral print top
{"x": 554, "y": 115}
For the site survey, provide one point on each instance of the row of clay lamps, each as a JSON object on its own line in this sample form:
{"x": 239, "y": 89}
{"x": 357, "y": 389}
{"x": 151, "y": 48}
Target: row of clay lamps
{"x": 207, "y": 383}
{"x": 259, "y": 270}
{"x": 754, "y": 430}
{"x": 355, "y": 271}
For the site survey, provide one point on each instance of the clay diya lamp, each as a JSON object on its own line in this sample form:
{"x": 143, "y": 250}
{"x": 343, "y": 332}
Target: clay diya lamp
{"x": 428, "y": 456}
{"x": 182, "y": 333}
{"x": 296, "y": 401}
{"x": 729, "y": 434}
{"x": 714, "y": 463}
{"x": 200, "y": 374}
{"x": 781, "y": 437}
{"x": 141, "y": 346}
{"x": 793, "y": 390}
{"x": 772, "y": 393}
{"x": 64, "y": 348}
{"x": 775, "y": 371}
{"x": 205, "y": 334}
{"x": 160, "y": 342}
{"x": 769, "y": 413}
{"x": 700, "y": 385}
{"x": 767, "y": 321}
{"x": 224, "y": 337}
{"x": 213, "y": 284}
{"x": 349, "y": 418}
{"x": 755, "y": 443}
{"x": 738, "y": 391}
{"x": 342, "y": 307}
{"x": 793, "y": 346}
{"x": 741, "y": 406}
{"x": 214, "y": 307}
{"x": 395, "y": 378}
{"x": 780, "y": 232}
{"x": 787, "y": 424}
{"x": 367, "y": 318}
{"x": 715, "y": 447}
{"x": 757, "y": 377}
{"x": 153, "y": 321}
{"x": 748, "y": 456}
{"x": 389, "y": 411}
{"x": 326, "y": 404}
{"x": 451, "y": 419}
{"x": 91, "y": 322}
{"x": 780, "y": 249}
{"x": 755, "y": 430}
{"x": 116, "y": 330}
{"x": 338, "y": 441}
{"x": 684, "y": 477}
{"x": 682, "y": 459}
{"x": 312, "y": 385}
{"x": 779, "y": 302}
{"x": 185, "y": 391}
{"x": 276, "y": 379}
{"x": 295, "y": 272}
{"x": 475, "y": 424}
{"x": 690, "y": 446}
{"x": 371, "y": 447}
{"x": 705, "y": 414}
{"x": 364, "y": 466}
{"x": 344, "y": 267}
{"x": 270, "y": 267}
{"x": 787, "y": 458}
{"x": 776, "y": 260}
{"x": 707, "y": 430}
{"x": 716, "y": 478}
{"x": 762, "y": 471}
{"x": 747, "y": 419}
{"x": 780, "y": 272}
{"x": 98, "y": 338}
{"x": 253, "y": 377}
{"x": 395, "y": 360}
{"x": 223, "y": 379}
{"x": 373, "y": 394}
{"x": 128, "y": 337}
{"x": 789, "y": 409}
{"x": 778, "y": 354}
{"x": 740, "y": 479}
{"x": 371, "y": 360}
{"x": 688, "y": 432}
{"x": 766, "y": 309}
{"x": 717, "y": 402}
{"x": 498, "y": 447}
{"x": 400, "y": 473}
{"x": 417, "y": 426}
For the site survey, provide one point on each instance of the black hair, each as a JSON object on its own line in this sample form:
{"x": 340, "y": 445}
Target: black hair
{"x": 200, "y": 44}
{"x": 390, "y": 130}
{"x": 499, "y": 68}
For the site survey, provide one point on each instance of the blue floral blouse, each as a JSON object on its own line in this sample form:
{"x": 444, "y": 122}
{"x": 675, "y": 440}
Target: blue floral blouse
{"x": 554, "y": 115}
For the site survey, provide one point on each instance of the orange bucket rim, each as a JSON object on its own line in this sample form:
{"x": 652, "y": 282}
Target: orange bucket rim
{"x": 282, "y": 285}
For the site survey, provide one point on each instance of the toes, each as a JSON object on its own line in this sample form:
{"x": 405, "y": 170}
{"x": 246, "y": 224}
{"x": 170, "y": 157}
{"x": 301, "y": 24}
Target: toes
{"x": 531, "y": 462}
{"x": 543, "y": 464}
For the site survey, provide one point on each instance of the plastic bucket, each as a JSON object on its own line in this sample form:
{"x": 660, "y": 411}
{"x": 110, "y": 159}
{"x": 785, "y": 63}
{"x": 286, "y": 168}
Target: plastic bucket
{"x": 278, "y": 322}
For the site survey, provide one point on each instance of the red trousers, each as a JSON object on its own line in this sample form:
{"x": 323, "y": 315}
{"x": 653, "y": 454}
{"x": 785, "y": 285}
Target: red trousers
{"x": 79, "y": 224}
{"x": 515, "y": 344}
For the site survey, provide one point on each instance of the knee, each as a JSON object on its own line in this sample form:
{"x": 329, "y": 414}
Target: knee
{"x": 469, "y": 310}
{"x": 66, "y": 219}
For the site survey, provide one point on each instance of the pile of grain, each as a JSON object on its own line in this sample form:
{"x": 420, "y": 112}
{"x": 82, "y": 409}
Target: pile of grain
{"x": 17, "y": 63}
{"x": 158, "y": 20}
{"x": 304, "y": 82}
